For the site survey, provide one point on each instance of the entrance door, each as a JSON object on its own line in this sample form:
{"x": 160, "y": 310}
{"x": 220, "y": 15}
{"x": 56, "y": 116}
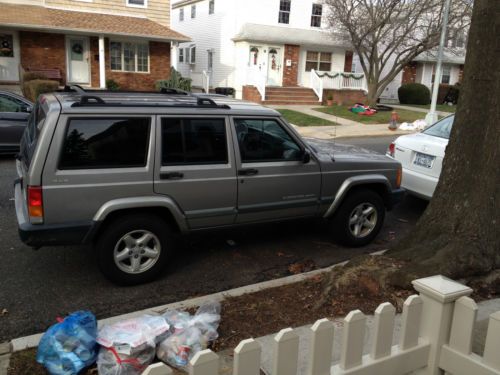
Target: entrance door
{"x": 78, "y": 60}
{"x": 9, "y": 56}
{"x": 257, "y": 58}
{"x": 274, "y": 66}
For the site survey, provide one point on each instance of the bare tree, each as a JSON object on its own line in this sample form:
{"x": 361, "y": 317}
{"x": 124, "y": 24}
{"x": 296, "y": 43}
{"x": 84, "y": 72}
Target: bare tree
{"x": 389, "y": 34}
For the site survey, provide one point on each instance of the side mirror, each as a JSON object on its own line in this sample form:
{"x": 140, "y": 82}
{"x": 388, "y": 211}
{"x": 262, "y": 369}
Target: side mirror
{"x": 306, "y": 157}
{"x": 26, "y": 109}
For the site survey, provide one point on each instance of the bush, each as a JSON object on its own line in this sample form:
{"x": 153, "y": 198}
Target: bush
{"x": 112, "y": 85}
{"x": 176, "y": 81}
{"x": 32, "y": 89}
{"x": 414, "y": 93}
{"x": 31, "y": 76}
{"x": 452, "y": 94}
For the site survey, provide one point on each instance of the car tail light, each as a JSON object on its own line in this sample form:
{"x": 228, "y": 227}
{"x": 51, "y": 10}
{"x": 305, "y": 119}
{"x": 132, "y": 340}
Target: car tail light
{"x": 391, "y": 150}
{"x": 399, "y": 176}
{"x": 35, "y": 203}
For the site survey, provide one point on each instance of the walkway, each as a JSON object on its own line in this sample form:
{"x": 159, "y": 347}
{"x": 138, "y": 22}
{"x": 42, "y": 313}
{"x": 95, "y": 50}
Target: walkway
{"x": 347, "y": 128}
{"x": 417, "y": 109}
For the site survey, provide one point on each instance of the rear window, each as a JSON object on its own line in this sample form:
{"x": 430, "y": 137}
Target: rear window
{"x": 193, "y": 141}
{"x": 441, "y": 129}
{"x": 30, "y": 137}
{"x": 105, "y": 143}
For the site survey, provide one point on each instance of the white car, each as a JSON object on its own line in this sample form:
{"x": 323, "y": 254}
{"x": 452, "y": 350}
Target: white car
{"x": 421, "y": 156}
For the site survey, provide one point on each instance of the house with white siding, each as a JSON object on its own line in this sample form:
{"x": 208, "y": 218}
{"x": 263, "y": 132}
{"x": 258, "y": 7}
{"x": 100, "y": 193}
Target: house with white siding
{"x": 267, "y": 50}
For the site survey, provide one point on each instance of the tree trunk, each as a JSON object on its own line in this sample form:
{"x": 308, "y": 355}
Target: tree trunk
{"x": 459, "y": 233}
{"x": 371, "y": 97}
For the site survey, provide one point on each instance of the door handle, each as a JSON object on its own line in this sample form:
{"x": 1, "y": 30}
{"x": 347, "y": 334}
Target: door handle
{"x": 171, "y": 176}
{"x": 248, "y": 172}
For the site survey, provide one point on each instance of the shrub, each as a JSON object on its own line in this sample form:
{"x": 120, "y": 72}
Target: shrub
{"x": 414, "y": 93}
{"x": 32, "y": 89}
{"x": 452, "y": 94}
{"x": 31, "y": 76}
{"x": 112, "y": 85}
{"x": 176, "y": 81}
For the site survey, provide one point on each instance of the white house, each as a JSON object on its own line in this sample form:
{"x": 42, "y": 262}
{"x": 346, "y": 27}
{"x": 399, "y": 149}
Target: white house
{"x": 268, "y": 44}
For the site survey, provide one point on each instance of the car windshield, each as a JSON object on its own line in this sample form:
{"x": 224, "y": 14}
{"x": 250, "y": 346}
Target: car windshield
{"x": 442, "y": 128}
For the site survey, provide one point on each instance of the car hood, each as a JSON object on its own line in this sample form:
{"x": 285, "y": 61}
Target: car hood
{"x": 334, "y": 150}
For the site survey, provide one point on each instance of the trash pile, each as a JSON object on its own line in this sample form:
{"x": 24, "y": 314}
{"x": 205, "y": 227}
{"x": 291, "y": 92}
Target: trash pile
{"x": 416, "y": 125}
{"x": 362, "y": 109}
{"x": 127, "y": 347}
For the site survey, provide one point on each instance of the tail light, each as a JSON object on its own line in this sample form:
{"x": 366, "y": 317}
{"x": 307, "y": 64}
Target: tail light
{"x": 399, "y": 176}
{"x": 35, "y": 204}
{"x": 391, "y": 150}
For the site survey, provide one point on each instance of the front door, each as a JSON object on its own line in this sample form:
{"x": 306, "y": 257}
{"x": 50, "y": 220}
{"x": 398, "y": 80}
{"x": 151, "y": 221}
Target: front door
{"x": 78, "y": 60}
{"x": 274, "y": 180}
{"x": 274, "y": 66}
{"x": 9, "y": 56}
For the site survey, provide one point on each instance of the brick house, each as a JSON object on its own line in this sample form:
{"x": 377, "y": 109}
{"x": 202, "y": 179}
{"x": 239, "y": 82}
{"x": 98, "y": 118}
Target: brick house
{"x": 88, "y": 41}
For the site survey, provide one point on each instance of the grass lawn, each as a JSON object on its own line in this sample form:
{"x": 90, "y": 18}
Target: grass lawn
{"x": 439, "y": 107}
{"x": 378, "y": 118}
{"x": 302, "y": 119}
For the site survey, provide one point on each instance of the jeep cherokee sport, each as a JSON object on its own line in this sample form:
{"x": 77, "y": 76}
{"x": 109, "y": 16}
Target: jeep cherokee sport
{"x": 125, "y": 172}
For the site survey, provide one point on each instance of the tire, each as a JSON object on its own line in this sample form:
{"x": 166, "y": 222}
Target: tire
{"x": 357, "y": 202}
{"x": 134, "y": 249}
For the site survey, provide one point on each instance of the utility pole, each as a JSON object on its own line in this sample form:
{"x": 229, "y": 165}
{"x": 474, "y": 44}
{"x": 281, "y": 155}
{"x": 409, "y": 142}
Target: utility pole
{"x": 432, "y": 117}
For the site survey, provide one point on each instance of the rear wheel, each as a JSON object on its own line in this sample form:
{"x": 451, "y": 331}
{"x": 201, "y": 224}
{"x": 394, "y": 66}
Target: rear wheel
{"x": 359, "y": 218}
{"x": 134, "y": 249}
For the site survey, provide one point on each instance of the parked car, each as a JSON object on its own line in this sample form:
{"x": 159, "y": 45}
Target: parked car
{"x": 421, "y": 156}
{"x": 14, "y": 113}
{"x": 126, "y": 172}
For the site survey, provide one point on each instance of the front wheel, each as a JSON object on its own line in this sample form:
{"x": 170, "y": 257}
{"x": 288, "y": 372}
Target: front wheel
{"x": 134, "y": 249}
{"x": 359, "y": 218}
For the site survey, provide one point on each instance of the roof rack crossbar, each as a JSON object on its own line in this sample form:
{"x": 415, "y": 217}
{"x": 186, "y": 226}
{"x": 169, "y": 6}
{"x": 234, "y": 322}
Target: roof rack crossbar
{"x": 77, "y": 88}
{"x": 173, "y": 91}
{"x": 86, "y": 100}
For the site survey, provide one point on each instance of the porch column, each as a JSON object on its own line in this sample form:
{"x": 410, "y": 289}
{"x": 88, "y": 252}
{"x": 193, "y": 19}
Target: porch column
{"x": 102, "y": 63}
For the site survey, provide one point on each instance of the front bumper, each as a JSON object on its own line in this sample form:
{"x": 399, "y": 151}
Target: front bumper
{"x": 397, "y": 196}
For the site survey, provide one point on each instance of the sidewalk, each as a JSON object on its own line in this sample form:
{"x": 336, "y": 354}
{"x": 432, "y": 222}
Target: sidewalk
{"x": 347, "y": 128}
{"x": 417, "y": 109}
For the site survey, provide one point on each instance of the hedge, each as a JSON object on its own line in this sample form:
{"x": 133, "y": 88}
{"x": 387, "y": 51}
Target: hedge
{"x": 176, "y": 81}
{"x": 414, "y": 93}
{"x": 32, "y": 89}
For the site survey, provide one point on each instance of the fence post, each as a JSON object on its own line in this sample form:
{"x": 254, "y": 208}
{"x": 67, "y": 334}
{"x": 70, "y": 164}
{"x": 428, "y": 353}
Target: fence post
{"x": 438, "y": 294}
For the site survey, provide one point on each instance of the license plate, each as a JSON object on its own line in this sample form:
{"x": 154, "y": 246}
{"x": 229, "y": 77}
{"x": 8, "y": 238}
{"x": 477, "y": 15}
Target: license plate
{"x": 424, "y": 160}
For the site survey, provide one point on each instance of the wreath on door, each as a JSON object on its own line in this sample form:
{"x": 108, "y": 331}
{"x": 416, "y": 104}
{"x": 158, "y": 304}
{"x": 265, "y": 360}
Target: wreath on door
{"x": 273, "y": 53}
{"x": 6, "y": 48}
{"x": 77, "y": 48}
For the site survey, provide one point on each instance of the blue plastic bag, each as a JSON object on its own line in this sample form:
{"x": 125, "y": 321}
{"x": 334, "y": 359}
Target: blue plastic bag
{"x": 70, "y": 345}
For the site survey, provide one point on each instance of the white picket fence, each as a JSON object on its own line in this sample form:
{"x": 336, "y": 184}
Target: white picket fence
{"x": 436, "y": 336}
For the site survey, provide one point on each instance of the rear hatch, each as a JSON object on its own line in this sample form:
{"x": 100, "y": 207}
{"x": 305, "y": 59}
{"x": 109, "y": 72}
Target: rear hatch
{"x": 421, "y": 153}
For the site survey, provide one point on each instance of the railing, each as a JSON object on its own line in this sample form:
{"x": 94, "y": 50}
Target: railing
{"x": 340, "y": 80}
{"x": 317, "y": 85}
{"x": 436, "y": 334}
{"x": 205, "y": 81}
{"x": 258, "y": 79}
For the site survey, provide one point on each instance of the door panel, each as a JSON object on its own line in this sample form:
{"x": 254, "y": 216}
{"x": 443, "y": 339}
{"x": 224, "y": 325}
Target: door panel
{"x": 273, "y": 186}
{"x": 274, "y": 66}
{"x": 12, "y": 126}
{"x": 78, "y": 60}
{"x": 195, "y": 166}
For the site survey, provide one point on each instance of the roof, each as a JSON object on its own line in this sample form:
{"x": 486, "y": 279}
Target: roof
{"x": 280, "y": 34}
{"x": 145, "y": 102}
{"x": 449, "y": 57}
{"x": 182, "y": 3}
{"x": 36, "y": 17}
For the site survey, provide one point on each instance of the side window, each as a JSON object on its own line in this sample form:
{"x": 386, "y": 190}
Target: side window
{"x": 105, "y": 143}
{"x": 265, "y": 140}
{"x": 11, "y": 104}
{"x": 193, "y": 141}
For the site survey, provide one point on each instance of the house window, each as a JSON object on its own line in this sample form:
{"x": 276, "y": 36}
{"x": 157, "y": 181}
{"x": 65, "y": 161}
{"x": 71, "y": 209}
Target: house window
{"x": 445, "y": 75}
{"x": 211, "y": 7}
{"x": 317, "y": 11}
{"x": 284, "y": 15}
{"x": 186, "y": 54}
{"x": 192, "y": 55}
{"x": 129, "y": 57}
{"x": 137, "y": 3}
{"x": 210, "y": 59}
{"x": 181, "y": 14}
{"x": 193, "y": 11}
{"x": 457, "y": 40}
{"x": 318, "y": 61}
{"x": 181, "y": 55}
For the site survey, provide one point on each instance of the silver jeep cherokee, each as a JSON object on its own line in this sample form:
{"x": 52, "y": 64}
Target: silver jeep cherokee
{"x": 126, "y": 172}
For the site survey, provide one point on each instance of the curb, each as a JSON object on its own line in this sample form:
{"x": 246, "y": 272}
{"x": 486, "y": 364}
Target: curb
{"x": 32, "y": 341}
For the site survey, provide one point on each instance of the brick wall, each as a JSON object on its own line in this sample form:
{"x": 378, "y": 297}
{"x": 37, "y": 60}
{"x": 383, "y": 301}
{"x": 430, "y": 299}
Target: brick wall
{"x": 348, "y": 97}
{"x": 348, "y": 61}
{"x": 159, "y": 67}
{"x": 43, "y": 50}
{"x": 291, "y": 73}
{"x": 409, "y": 73}
{"x": 251, "y": 94}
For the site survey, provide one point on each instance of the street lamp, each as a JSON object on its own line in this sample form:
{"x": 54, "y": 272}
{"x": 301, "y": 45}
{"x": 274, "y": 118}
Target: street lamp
{"x": 432, "y": 117}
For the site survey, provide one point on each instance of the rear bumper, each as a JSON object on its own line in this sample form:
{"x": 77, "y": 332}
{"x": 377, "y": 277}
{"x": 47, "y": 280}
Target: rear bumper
{"x": 419, "y": 184}
{"x": 37, "y": 235}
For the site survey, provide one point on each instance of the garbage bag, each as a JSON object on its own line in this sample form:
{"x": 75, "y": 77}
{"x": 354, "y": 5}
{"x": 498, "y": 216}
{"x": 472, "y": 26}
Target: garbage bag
{"x": 70, "y": 345}
{"x": 189, "y": 334}
{"x": 128, "y": 346}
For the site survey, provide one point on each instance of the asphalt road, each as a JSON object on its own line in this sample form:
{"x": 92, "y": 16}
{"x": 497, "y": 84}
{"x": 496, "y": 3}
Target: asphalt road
{"x": 38, "y": 286}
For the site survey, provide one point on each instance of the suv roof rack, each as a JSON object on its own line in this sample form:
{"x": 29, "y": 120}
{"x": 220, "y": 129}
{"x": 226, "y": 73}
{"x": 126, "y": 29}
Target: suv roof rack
{"x": 95, "y": 100}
